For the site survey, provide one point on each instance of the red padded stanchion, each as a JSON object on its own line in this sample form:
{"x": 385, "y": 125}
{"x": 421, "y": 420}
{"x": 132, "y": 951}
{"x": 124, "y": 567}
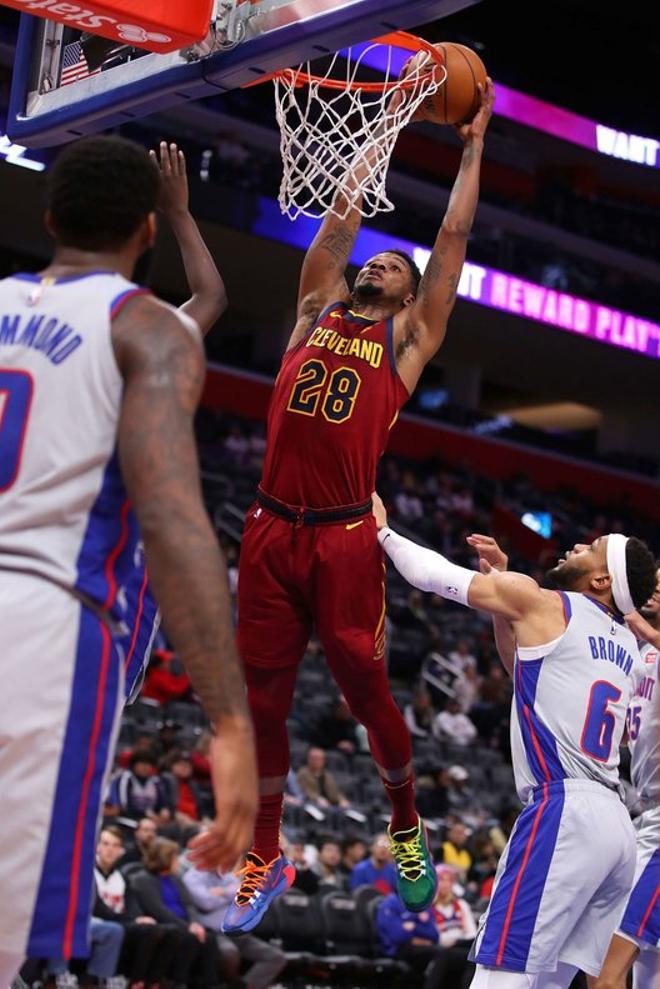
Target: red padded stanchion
{"x": 156, "y": 25}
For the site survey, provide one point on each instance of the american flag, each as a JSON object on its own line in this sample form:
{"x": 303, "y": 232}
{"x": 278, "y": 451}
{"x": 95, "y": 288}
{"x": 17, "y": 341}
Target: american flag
{"x": 74, "y": 65}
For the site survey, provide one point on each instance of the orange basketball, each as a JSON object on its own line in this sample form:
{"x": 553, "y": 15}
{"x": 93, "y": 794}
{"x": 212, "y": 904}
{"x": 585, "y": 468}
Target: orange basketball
{"x": 457, "y": 100}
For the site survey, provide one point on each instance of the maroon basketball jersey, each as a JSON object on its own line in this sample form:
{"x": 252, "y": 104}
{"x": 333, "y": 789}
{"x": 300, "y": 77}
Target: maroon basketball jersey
{"x": 335, "y": 400}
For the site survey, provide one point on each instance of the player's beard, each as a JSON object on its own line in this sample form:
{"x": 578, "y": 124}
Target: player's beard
{"x": 368, "y": 292}
{"x": 563, "y": 577}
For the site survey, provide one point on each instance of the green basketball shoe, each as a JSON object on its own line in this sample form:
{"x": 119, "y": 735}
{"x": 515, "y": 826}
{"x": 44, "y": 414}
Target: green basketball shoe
{"x": 415, "y": 871}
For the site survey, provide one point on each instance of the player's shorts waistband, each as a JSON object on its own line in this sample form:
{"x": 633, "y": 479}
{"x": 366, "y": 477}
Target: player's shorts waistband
{"x": 573, "y": 786}
{"x": 300, "y": 515}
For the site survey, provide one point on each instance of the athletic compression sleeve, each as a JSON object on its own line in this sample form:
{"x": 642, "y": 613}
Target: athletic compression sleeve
{"x": 425, "y": 569}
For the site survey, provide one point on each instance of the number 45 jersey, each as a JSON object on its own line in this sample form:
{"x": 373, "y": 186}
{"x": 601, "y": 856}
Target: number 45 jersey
{"x": 335, "y": 400}
{"x": 571, "y": 698}
{"x": 643, "y": 722}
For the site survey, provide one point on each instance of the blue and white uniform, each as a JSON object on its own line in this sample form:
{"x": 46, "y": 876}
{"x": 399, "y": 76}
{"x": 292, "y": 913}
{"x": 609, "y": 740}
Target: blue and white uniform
{"x": 76, "y": 614}
{"x": 567, "y": 869}
{"x": 641, "y": 918}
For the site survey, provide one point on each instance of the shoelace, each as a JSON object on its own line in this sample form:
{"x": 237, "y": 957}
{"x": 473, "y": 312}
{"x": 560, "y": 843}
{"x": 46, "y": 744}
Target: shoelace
{"x": 409, "y": 857}
{"x": 254, "y": 878}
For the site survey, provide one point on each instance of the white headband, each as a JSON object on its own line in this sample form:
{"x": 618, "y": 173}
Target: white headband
{"x": 616, "y": 566}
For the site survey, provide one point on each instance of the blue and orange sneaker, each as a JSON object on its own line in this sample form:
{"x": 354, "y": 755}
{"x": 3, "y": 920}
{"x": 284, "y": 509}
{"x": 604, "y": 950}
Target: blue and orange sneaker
{"x": 260, "y": 884}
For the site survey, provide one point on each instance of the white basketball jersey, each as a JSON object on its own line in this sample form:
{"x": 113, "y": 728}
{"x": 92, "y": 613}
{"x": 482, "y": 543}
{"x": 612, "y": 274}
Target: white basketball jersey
{"x": 571, "y": 697}
{"x": 643, "y": 721}
{"x": 64, "y": 511}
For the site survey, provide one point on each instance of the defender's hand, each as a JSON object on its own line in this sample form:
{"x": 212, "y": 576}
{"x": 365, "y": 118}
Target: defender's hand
{"x": 491, "y": 557}
{"x": 378, "y": 510}
{"x": 234, "y": 775}
{"x": 174, "y": 178}
{"x": 476, "y": 129}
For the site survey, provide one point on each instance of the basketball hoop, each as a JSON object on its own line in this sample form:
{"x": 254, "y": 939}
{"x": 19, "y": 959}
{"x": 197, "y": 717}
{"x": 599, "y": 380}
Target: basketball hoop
{"x": 338, "y": 130}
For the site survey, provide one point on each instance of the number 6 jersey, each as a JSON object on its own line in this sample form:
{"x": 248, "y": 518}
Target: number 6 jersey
{"x": 335, "y": 400}
{"x": 571, "y": 697}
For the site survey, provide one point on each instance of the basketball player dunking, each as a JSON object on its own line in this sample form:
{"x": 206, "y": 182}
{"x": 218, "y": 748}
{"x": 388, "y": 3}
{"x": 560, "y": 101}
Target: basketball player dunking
{"x": 567, "y": 869}
{"x": 99, "y": 382}
{"x": 309, "y": 557}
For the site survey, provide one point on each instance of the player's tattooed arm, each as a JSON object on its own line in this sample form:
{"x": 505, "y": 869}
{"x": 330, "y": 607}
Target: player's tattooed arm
{"x": 208, "y": 299}
{"x": 439, "y": 285}
{"x": 162, "y": 365}
{"x": 322, "y": 279}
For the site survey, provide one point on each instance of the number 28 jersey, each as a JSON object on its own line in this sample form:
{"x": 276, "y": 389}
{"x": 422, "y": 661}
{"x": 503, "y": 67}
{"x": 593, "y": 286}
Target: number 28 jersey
{"x": 335, "y": 400}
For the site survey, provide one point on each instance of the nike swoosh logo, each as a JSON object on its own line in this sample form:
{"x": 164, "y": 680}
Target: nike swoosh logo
{"x": 354, "y": 525}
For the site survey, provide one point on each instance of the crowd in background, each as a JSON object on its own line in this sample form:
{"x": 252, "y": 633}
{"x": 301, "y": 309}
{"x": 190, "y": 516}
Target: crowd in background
{"x": 157, "y": 920}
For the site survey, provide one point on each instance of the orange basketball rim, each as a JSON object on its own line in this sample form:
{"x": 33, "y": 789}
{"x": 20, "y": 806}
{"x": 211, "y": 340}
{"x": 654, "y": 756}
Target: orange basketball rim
{"x": 155, "y": 25}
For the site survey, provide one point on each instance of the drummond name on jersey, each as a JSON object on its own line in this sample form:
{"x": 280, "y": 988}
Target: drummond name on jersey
{"x": 54, "y": 339}
{"x": 602, "y": 648}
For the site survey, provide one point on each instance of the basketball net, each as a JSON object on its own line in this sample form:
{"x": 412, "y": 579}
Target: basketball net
{"x": 338, "y": 133}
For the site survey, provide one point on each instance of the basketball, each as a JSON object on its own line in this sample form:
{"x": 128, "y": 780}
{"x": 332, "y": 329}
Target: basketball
{"x": 457, "y": 101}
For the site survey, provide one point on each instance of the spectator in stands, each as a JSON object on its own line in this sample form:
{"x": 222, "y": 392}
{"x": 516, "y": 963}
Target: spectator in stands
{"x": 307, "y": 879}
{"x": 162, "y": 895}
{"x": 484, "y": 861}
{"x": 237, "y": 446}
{"x": 105, "y": 938}
{"x": 412, "y": 937}
{"x": 454, "y": 852}
{"x": 462, "y": 655}
{"x": 456, "y": 930}
{"x": 168, "y": 736}
{"x": 138, "y": 791}
{"x": 451, "y": 725}
{"x": 336, "y": 729}
{"x": 211, "y": 895}
{"x": 317, "y": 783}
{"x": 144, "y": 742}
{"x": 432, "y": 797}
{"x": 460, "y": 795}
{"x": 491, "y": 708}
{"x": 419, "y": 714}
{"x": 377, "y": 870}
{"x": 166, "y": 680}
{"x": 328, "y": 862}
{"x": 353, "y": 851}
{"x": 145, "y": 833}
{"x": 184, "y": 797}
{"x": 200, "y": 758}
{"x": 408, "y": 505}
{"x": 466, "y": 688}
{"x": 149, "y": 949}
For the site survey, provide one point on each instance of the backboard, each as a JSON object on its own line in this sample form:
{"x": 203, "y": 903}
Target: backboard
{"x": 67, "y": 83}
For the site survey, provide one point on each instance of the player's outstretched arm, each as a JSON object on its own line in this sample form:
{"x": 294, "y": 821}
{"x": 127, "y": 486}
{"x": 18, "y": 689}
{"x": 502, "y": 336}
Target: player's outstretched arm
{"x": 511, "y": 595}
{"x": 492, "y": 558}
{"x": 209, "y": 296}
{"x": 429, "y": 315}
{"x": 323, "y": 274}
{"x": 163, "y": 370}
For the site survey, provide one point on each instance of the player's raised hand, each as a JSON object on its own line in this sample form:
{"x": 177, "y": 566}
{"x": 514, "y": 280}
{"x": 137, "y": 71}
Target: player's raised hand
{"x": 476, "y": 128}
{"x": 491, "y": 556}
{"x": 641, "y": 629}
{"x": 174, "y": 178}
{"x": 234, "y": 777}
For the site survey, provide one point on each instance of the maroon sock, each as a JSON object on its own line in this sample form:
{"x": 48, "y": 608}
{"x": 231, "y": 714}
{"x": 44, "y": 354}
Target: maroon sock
{"x": 267, "y": 828}
{"x": 402, "y": 798}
